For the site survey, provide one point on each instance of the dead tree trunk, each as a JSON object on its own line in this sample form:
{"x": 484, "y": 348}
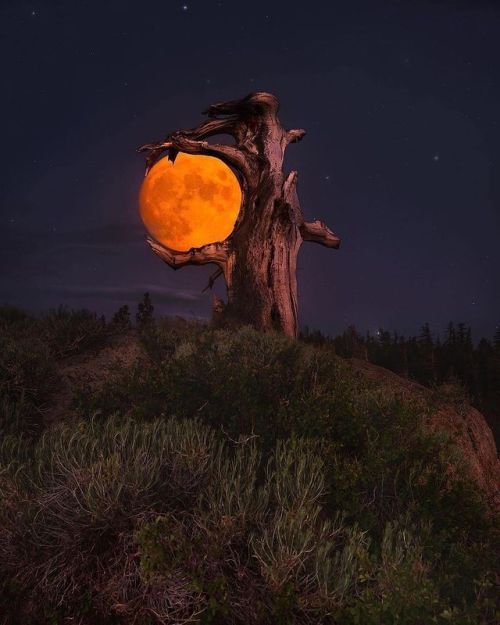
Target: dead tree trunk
{"x": 258, "y": 260}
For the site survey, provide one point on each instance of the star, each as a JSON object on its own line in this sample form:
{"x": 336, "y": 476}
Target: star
{"x": 435, "y": 158}
{"x": 185, "y": 7}
{"x": 33, "y": 13}
{"x": 327, "y": 177}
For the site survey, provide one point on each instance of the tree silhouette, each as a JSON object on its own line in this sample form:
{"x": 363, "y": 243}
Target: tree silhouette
{"x": 122, "y": 317}
{"x": 144, "y": 315}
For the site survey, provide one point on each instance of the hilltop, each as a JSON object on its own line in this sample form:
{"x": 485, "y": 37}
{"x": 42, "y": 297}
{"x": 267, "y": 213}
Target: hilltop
{"x": 175, "y": 473}
{"x": 448, "y": 410}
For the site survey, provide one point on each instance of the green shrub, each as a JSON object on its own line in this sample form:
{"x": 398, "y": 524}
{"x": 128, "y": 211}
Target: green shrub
{"x": 121, "y": 318}
{"x": 287, "y": 489}
{"x": 170, "y": 514}
{"x": 245, "y": 382}
{"x": 242, "y": 381}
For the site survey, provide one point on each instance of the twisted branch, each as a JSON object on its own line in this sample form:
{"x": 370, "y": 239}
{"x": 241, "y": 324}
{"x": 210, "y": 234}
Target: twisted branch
{"x": 213, "y": 253}
{"x": 179, "y": 142}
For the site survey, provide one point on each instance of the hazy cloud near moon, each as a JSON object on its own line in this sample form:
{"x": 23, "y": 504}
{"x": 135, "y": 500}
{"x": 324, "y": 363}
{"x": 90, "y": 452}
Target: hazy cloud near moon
{"x": 52, "y": 240}
{"x": 74, "y": 250}
{"x": 129, "y": 293}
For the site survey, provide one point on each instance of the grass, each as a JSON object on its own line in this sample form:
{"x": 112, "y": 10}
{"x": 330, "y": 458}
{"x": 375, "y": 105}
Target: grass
{"x": 30, "y": 348}
{"x": 235, "y": 477}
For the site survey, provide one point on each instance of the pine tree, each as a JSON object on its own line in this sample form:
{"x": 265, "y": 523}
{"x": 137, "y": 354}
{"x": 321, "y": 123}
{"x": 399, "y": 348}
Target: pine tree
{"x": 425, "y": 336}
{"x": 425, "y": 366}
{"x": 144, "y": 315}
{"x": 403, "y": 356}
{"x": 461, "y": 333}
{"x": 450, "y": 333}
{"x": 122, "y": 317}
{"x": 431, "y": 361}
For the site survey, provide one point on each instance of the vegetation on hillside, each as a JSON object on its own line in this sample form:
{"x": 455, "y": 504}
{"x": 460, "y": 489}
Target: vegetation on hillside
{"x": 227, "y": 478}
{"x": 454, "y": 360}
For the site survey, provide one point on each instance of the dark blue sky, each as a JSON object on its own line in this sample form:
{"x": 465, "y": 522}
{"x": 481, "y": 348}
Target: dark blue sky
{"x": 400, "y": 100}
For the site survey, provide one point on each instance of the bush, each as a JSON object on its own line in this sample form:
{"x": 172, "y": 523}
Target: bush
{"x": 28, "y": 377}
{"x": 167, "y": 519}
{"x": 245, "y": 382}
{"x": 121, "y": 318}
{"x": 144, "y": 316}
{"x": 286, "y": 489}
{"x": 452, "y": 392}
{"x": 29, "y": 351}
{"x": 70, "y": 332}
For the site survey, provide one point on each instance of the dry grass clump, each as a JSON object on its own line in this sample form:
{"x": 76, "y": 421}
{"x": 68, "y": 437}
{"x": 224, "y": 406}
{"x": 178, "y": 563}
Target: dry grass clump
{"x": 165, "y": 520}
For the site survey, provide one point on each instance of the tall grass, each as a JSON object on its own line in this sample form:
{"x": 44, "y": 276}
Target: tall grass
{"x": 166, "y": 519}
{"x": 30, "y": 349}
{"x": 234, "y": 477}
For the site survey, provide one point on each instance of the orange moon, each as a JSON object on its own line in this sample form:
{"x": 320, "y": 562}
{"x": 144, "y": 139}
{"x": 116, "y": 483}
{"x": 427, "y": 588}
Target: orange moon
{"x": 191, "y": 202}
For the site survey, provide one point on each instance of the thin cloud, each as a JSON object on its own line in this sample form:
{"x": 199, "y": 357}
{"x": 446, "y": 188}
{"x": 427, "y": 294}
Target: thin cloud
{"x": 159, "y": 294}
{"x": 108, "y": 237}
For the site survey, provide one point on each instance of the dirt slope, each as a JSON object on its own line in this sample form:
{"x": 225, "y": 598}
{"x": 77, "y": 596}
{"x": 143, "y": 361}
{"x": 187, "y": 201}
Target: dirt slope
{"x": 465, "y": 423}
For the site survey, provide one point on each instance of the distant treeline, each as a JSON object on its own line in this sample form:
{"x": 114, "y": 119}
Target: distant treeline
{"x": 430, "y": 360}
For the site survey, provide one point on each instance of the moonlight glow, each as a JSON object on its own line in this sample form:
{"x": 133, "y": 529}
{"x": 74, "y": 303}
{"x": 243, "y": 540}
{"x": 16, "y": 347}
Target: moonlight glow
{"x": 191, "y": 202}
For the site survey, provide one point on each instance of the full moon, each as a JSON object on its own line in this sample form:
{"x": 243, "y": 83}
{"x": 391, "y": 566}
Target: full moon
{"x": 191, "y": 202}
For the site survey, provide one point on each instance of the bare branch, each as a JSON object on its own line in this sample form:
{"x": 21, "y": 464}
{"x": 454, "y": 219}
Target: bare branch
{"x": 211, "y": 280}
{"x": 212, "y": 253}
{"x": 290, "y": 196}
{"x": 243, "y": 440}
{"x": 318, "y": 232}
{"x": 295, "y": 135}
{"x": 290, "y": 185}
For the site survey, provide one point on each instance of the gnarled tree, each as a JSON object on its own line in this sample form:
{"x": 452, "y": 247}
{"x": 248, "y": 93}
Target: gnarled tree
{"x": 258, "y": 260}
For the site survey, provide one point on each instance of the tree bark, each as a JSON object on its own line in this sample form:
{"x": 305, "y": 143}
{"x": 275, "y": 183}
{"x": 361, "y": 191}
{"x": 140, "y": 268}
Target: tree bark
{"x": 259, "y": 258}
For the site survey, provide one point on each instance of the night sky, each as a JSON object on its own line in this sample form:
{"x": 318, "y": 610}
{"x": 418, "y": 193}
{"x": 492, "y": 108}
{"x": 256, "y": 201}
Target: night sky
{"x": 400, "y": 101}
